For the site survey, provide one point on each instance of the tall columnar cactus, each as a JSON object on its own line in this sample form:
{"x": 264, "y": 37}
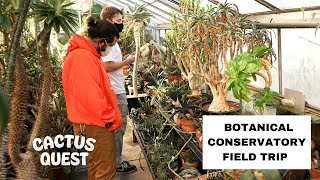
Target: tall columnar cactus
{"x": 54, "y": 14}
{"x": 24, "y": 163}
{"x": 137, "y": 19}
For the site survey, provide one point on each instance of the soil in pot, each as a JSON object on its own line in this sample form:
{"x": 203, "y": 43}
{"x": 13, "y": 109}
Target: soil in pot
{"x": 235, "y": 108}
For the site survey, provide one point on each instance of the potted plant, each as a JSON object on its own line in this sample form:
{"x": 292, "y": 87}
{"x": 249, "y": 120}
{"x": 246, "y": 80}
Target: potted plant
{"x": 205, "y": 40}
{"x": 190, "y": 160}
{"x": 245, "y": 66}
{"x": 265, "y": 97}
{"x": 188, "y": 173}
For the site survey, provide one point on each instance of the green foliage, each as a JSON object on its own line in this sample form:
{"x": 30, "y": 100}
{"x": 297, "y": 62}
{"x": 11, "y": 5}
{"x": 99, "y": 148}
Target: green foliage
{"x": 248, "y": 175}
{"x": 190, "y": 158}
{"x": 6, "y": 8}
{"x": 177, "y": 90}
{"x": 15, "y": 4}
{"x": 271, "y": 174}
{"x": 4, "y": 22}
{"x": 96, "y": 9}
{"x": 241, "y": 69}
{"x": 265, "y": 97}
{"x": 56, "y": 14}
{"x": 4, "y": 111}
{"x": 162, "y": 153}
{"x": 189, "y": 172}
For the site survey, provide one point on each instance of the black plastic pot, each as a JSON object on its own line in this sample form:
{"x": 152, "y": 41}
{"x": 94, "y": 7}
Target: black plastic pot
{"x": 133, "y": 101}
{"x": 206, "y": 112}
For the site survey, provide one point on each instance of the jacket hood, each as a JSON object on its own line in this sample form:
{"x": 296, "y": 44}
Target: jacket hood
{"x": 79, "y": 42}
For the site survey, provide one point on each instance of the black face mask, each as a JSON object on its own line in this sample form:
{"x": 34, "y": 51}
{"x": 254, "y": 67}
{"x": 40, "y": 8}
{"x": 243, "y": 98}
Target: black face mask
{"x": 101, "y": 49}
{"x": 119, "y": 27}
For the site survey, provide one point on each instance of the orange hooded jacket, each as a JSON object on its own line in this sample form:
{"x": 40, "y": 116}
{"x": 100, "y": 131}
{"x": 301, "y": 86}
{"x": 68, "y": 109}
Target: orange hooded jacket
{"x": 89, "y": 96}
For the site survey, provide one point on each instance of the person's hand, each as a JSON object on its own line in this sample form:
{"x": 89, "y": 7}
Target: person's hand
{"x": 130, "y": 59}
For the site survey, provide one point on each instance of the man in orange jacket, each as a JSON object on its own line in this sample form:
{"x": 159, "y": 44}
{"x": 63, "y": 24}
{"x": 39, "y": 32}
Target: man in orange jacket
{"x": 90, "y": 99}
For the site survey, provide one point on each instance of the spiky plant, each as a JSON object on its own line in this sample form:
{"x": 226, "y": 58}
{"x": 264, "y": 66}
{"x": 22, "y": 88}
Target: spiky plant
{"x": 55, "y": 14}
{"x": 23, "y": 162}
{"x": 137, "y": 19}
{"x": 15, "y": 46}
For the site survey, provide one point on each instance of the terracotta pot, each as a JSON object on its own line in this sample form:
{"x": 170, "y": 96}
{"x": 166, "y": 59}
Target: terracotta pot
{"x": 315, "y": 174}
{"x": 195, "y": 165}
{"x": 188, "y": 125}
{"x": 198, "y": 134}
{"x": 172, "y": 79}
{"x": 125, "y": 70}
{"x": 183, "y": 154}
{"x": 199, "y": 138}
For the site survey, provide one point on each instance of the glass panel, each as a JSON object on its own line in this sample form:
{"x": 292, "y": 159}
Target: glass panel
{"x": 206, "y": 3}
{"x": 274, "y": 71}
{"x": 163, "y": 7}
{"x": 127, "y": 3}
{"x": 152, "y": 9}
{"x": 301, "y": 63}
{"x": 247, "y": 6}
{"x": 288, "y": 4}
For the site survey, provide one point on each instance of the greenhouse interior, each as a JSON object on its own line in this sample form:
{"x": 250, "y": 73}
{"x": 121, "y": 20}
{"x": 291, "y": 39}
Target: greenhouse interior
{"x": 124, "y": 89}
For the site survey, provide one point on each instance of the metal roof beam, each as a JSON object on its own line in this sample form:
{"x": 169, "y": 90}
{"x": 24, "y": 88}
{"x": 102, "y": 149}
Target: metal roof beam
{"x": 116, "y": 3}
{"x": 268, "y": 5}
{"x": 168, "y": 5}
{"x": 152, "y": 12}
{"x": 150, "y": 4}
{"x": 285, "y": 11}
{"x": 214, "y": 2}
{"x": 288, "y": 19}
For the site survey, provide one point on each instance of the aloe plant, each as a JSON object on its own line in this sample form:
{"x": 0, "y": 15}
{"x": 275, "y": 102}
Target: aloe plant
{"x": 136, "y": 20}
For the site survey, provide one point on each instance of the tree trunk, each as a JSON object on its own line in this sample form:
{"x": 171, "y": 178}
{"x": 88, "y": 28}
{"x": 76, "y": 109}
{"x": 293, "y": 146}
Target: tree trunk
{"x": 219, "y": 103}
{"x": 33, "y": 46}
{"x": 194, "y": 85}
{"x": 137, "y": 39}
{"x": 23, "y": 163}
{"x": 41, "y": 124}
{"x": 144, "y": 36}
{"x": 15, "y": 46}
{"x": 3, "y": 151}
